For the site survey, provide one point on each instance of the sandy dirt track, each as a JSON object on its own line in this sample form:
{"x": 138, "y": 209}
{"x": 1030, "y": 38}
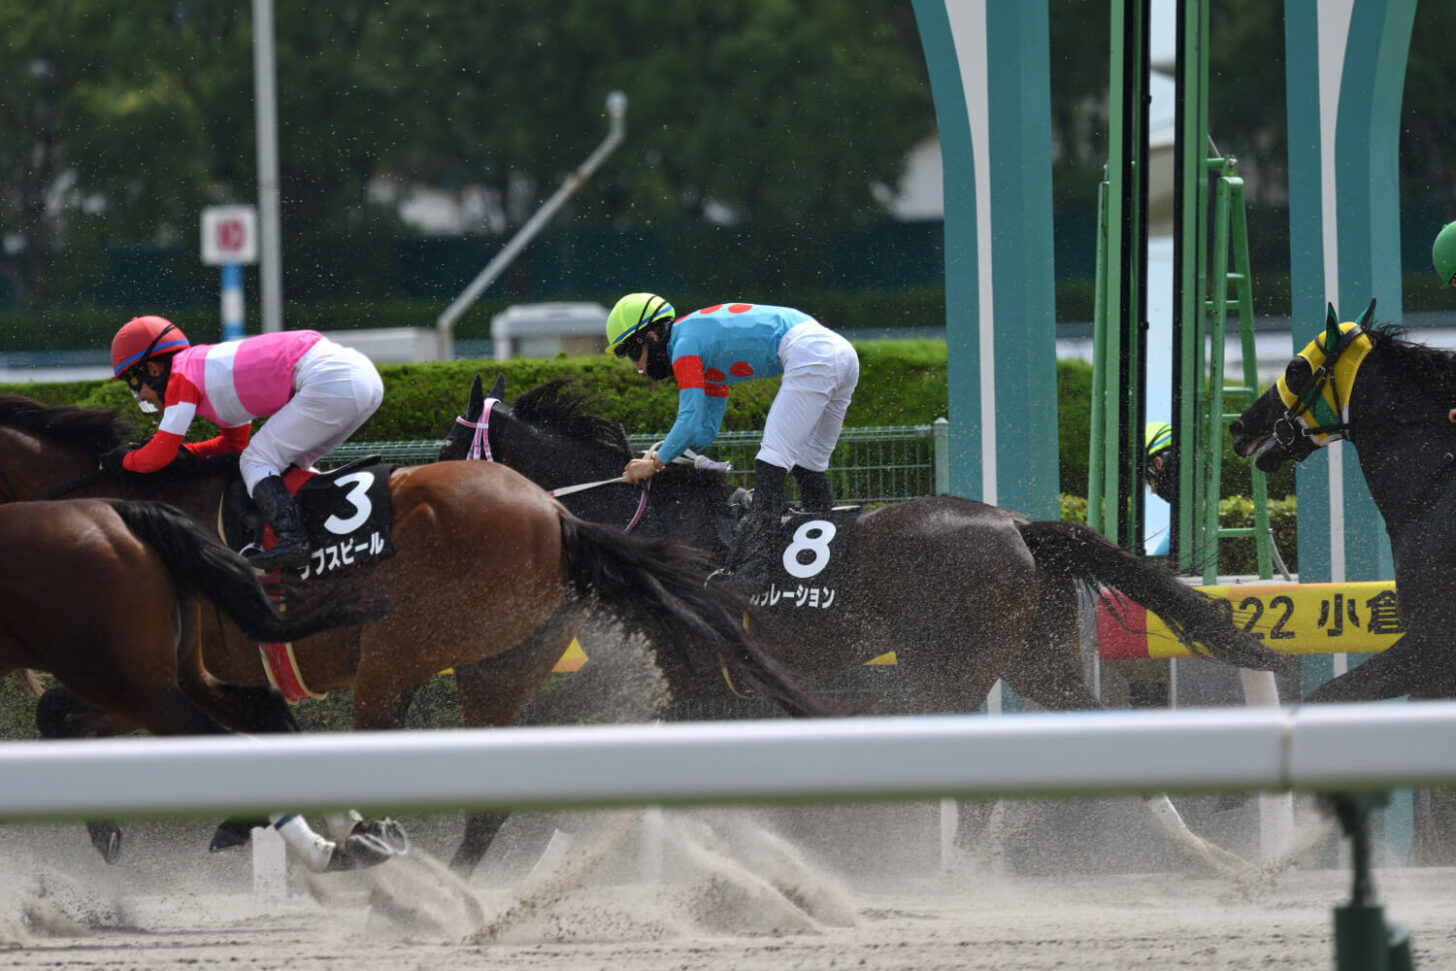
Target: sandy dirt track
{"x": 736, "y": 895}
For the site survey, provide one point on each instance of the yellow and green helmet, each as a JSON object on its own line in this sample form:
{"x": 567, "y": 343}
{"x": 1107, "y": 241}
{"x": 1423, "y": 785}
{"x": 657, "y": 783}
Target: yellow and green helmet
{"x": 1443, "y": 254}
{"x": 633, "y": 315}
{"x": 1158, "y": 435}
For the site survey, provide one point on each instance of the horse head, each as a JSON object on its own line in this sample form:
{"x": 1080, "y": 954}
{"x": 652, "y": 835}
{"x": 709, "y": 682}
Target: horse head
{"x": 46, "y": 448}
{"x": 1308, "y": 407}
{"x": 551, "y": 435}
{"x": 1264, "y": 435}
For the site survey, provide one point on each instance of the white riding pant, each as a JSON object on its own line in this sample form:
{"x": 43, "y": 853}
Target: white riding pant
{"x": 821, "y": 370}
{"x": 335, "y": 390}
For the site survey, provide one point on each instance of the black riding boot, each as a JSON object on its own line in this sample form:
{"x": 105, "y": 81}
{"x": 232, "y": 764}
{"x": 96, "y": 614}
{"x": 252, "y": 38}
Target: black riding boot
{"x": 813, "y": 490}
{"x": 276, "y": 504}
{"x": 748, "y": 560}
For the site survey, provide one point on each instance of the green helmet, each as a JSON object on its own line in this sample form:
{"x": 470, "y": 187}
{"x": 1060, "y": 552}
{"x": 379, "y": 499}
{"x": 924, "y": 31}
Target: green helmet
{"x": 1443, "y": 253}
{"x": 634, "y": 313}
{"x": 1157, "y": 436}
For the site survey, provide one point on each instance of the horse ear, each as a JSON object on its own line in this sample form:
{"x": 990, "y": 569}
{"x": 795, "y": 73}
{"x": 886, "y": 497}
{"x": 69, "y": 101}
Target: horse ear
{"x": 498, "y": 390}
{"x": 476, "y": 404}
{"x": 1332, "y": 327}
{"x": 1365, "y": 314}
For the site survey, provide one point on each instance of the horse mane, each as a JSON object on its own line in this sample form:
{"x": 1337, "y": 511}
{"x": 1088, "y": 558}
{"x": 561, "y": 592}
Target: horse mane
{"x": 1431, "y": 368}
{"x": 92, "y": 429}
{"x": 559, "y": 406}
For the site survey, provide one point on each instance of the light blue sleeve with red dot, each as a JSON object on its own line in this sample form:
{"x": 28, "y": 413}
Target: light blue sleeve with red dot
{"x": 714, "y": 348}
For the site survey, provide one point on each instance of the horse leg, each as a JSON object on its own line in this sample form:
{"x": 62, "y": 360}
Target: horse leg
{"x": 1048, "y": 668}
{"x": 60, "y": 714}
{"x": 1412, "y": 665}
{"x": 1049, "y": 671}
{"x": 491, "y": 692}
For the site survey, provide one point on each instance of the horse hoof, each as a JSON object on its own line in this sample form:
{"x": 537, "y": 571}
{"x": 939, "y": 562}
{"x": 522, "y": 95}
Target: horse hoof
{"x": 359, "y": 852}
{"x": 232, "y": 833}
{"x": 106, "y": 837}
{"x": 387, "y": 831}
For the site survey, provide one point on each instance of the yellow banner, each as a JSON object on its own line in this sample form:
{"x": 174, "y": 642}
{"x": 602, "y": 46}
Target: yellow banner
{"x": 1301, "y": 618}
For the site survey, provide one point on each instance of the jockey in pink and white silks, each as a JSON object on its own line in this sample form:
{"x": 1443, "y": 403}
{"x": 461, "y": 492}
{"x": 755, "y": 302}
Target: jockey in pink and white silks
{"x": 315, "y": 394}
{"x": 710, "y": 350}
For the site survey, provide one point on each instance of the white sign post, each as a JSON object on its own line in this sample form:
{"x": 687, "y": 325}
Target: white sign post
{"x": 230, "y": 239}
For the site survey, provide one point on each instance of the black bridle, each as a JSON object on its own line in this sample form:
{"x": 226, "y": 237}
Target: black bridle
{"x": 1287, "y": 431}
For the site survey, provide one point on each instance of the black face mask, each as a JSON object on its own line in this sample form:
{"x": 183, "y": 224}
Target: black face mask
{"x": 659, "y": 368}
{"x": 1165, "y": 480}
{"x": 158, "y": 382}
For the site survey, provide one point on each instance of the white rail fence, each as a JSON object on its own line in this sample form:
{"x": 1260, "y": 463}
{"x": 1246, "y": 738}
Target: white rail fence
{"x": 1309, "y": 749}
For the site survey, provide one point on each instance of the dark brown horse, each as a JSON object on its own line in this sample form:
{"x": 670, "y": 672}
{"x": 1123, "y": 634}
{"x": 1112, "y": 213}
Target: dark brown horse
{"x": 1392, "y": 400}
{"x": 490, "y": 576}
{"x": 964, "y": 593}
{"x": 105, "y": 595}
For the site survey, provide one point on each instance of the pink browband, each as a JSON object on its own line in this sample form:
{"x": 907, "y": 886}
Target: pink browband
{"x": 480, "y": 449}
{"x": 480, "y": 444}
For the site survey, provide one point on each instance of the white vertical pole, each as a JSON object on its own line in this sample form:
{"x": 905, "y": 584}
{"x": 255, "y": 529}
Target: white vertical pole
{"x": 1276, "y": 809}
{"x": 266, "y": 114}
{"x": 649, "y": 848}
{"x": 270, "y": 863}
{"x": 949, "y": 823}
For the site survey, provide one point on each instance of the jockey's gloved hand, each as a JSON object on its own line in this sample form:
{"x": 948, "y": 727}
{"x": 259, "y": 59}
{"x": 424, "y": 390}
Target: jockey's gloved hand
{"x": 111, "y": 461}
{"x": 183, "y": 461}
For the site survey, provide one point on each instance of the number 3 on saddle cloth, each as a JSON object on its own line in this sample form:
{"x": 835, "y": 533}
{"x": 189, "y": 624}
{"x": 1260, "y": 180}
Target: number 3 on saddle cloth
{"x": 345, "y": 511}
{"x": 813, "y": 562}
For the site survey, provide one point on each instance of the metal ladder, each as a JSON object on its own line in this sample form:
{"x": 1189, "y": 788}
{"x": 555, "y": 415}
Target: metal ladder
{"x": 1230, "y": 233}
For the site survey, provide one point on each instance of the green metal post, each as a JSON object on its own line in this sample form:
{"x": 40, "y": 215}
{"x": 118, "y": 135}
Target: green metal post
{"x": 1190, "y": 247}
{"x": 1125, "y": 275}
{"x": 1097, "y": 458}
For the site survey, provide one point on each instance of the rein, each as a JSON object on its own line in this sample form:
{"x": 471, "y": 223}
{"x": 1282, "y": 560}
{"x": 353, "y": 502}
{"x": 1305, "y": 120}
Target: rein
{"x": 69, "y": 487}
{"x": 480, "y": 449}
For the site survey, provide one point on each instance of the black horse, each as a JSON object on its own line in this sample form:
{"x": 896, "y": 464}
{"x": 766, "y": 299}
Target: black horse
{"x": 963, "y": 592}
{"x": 1394, "y": 401}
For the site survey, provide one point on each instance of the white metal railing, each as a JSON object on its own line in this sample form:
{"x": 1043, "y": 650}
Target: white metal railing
{"x": 1314, "y": 749}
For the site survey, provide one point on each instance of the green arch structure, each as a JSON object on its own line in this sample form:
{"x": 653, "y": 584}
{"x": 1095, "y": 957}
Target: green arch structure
{"x": 1345, "y": 73}
{"x": 989, "y": 75}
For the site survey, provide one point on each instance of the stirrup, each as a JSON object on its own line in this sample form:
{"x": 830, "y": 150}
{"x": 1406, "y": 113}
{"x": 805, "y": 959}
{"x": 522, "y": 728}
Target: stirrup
{"x": 280, "y": 557}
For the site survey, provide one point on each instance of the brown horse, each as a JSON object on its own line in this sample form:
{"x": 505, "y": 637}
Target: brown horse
{"x": 105, "y": 596}
{"x": 490, "y": 576}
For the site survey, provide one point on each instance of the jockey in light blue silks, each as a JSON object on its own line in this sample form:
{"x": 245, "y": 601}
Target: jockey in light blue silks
{"x": 710, "y": 350}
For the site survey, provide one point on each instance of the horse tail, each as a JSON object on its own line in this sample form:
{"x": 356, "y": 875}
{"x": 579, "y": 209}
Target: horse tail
{"x": 656, "y": 587}
{"x": 1081, "y": 554}
{"x": 199, "y": 563}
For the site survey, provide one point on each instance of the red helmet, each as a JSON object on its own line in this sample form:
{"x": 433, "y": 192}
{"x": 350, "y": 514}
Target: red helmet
{"x": 143, "y": 338}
